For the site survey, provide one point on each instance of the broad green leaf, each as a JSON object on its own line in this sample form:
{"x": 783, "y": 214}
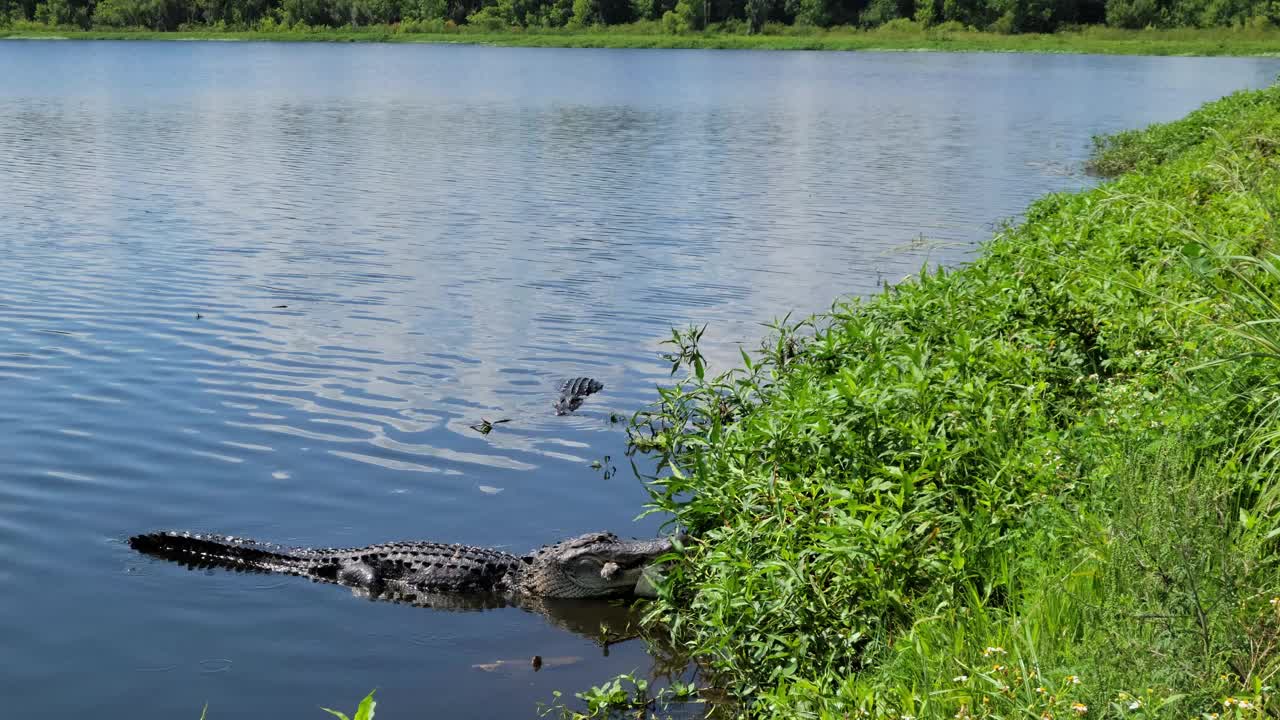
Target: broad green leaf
{"x": 365, "y": 711}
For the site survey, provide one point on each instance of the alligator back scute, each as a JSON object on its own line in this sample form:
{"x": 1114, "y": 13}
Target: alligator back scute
{"x": 573, "y": 391}
{"x": 209, "y": 550}
{"x": 439, "y": 567}
{"x": 581, "y": 386}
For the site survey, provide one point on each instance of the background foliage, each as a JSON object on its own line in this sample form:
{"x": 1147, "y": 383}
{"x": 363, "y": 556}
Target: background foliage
{"x": 654, "y": 16}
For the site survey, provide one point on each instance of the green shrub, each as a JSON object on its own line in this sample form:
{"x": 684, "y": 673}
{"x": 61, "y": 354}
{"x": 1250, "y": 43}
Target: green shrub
{"x": 947, "y": 28}
{"x": 757, "y": 13}
{"x": 1016, "y": 473}
{"x": 880, "y": 12}
{"x": 1260, "y": 24}
{"x": 131, "y": 13}
{"x": 584, "y": 13}
{"x": 969, "y": 12}
{"x": 1143, "y": 149}
{"x": 730, "y": 26}
{"x": 312, "y": 13}
{"x": 63, "y": 13}
{"x": 1133, "y": 14}
{"x": 684, "y": 18}
{"x": 814, "y": 13}
{"x": 1023, "y": 16}
{"x": 488, "y": 18}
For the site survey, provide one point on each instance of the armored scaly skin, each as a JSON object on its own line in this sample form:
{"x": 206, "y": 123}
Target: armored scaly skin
{"x": 573, "y": 391}
{"x": 581, "y": 386}
{"x": 591, "y": 565}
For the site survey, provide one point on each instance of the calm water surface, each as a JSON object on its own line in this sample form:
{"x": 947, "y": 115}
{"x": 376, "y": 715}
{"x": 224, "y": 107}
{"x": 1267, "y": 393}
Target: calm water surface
{"x": 453, "y": 230}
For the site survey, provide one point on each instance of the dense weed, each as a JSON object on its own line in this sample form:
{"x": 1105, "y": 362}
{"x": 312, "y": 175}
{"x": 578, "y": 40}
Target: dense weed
{"x": 1036, "y": 486}
{"x": 1143, "y": 149}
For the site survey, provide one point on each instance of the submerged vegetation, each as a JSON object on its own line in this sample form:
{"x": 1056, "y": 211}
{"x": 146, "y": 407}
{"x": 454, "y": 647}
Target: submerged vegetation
{"x": 1042, "y": 485}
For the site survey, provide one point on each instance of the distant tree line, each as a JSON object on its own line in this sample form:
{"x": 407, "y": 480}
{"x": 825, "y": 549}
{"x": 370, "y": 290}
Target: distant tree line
{"x": 1011, "y": 16}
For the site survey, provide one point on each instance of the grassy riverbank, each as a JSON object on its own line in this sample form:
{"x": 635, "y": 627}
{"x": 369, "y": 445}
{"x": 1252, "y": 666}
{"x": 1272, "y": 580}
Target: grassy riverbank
{"x": 1037, "y": 486}
{"x": 900, "y": 36}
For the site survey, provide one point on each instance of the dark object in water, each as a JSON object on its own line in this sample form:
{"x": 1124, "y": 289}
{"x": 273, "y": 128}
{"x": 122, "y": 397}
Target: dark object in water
{"x": 485, "y": 426}
{"x": 574, "y": 391}
{"x": 594, "y": 565}
{"x": 581, "y": 386}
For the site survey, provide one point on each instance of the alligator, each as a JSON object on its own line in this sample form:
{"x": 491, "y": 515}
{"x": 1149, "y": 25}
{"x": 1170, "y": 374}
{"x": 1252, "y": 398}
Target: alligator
{"x": 574, "y": 391}
{"x": 594, "y": 565}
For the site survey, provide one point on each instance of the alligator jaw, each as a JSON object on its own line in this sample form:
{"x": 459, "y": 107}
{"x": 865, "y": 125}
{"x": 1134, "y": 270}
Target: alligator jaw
{"x": 592, "y": 565}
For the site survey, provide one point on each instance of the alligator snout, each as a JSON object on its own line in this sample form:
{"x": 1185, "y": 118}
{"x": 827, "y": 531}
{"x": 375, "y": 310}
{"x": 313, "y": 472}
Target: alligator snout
{"x": 574, "y": 391}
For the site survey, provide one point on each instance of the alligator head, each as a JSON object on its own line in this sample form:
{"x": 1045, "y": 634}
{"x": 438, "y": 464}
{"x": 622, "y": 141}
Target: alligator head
{"x": 591, "y": 565}
{"x": 573, "y": 391}
{"x": 568, "y": 403}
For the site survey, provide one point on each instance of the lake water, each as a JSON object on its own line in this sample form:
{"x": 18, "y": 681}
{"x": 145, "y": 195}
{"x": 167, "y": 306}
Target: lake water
{"x": 452, "y": 230}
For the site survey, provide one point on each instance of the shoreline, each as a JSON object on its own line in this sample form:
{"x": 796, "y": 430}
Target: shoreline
{"x": 964, "y": 497}
{"x": 1161, "y": 43}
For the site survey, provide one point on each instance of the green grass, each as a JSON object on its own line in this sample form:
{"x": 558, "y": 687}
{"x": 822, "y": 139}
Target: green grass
{"x": 1144, "y": 149}
{"x": 1098, "y": 40}
{"x": 1037, "y": 485}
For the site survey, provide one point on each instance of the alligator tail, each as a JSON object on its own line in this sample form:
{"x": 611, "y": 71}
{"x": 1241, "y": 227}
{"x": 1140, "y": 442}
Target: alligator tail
{"x": 224, "y": 551}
